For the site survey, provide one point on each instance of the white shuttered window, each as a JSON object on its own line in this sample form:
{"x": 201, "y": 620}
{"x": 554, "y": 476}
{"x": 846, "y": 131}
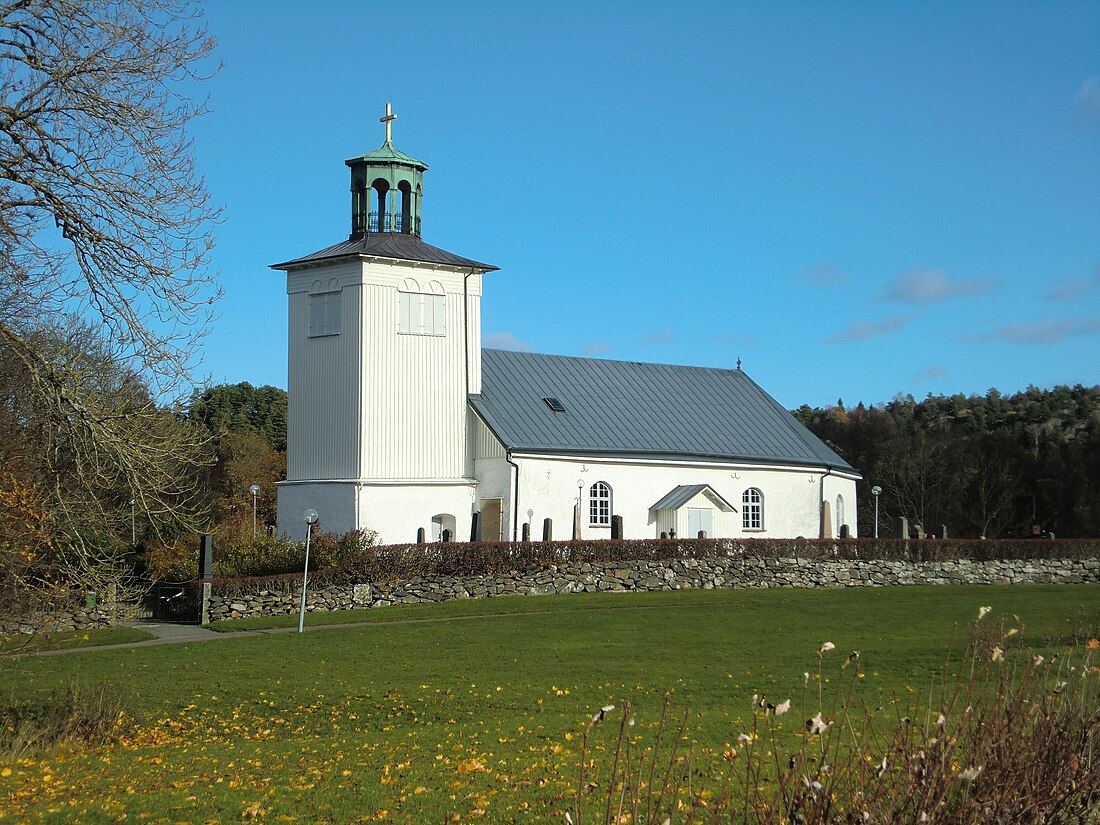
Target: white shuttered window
{"x": 421, "y": 313}
{"x": 324, "y": 311}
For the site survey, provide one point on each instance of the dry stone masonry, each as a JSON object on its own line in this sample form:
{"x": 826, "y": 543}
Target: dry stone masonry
{"x": 679, "y": 574}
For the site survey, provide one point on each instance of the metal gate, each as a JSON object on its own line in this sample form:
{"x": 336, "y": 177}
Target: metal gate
{"x": 174, "y": 602}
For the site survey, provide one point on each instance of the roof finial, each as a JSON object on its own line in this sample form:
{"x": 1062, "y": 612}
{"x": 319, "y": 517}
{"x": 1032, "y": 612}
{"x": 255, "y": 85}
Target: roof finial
{"x": 388, "y": 119}
{"x": 738, "y": 362}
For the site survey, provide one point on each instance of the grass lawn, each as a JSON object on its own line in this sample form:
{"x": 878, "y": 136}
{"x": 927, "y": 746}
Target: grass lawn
{"x": 20, "y": 643}
{"x": 475, "y": 708}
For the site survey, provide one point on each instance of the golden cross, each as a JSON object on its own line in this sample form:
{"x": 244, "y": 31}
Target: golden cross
{"x": 388, "y": 119}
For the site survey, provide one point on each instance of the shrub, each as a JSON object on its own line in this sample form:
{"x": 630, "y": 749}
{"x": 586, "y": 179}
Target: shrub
{"x": 87, "y": 716}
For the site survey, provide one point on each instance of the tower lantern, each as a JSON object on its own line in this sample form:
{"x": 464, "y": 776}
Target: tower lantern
{"x": 386, "y": 188}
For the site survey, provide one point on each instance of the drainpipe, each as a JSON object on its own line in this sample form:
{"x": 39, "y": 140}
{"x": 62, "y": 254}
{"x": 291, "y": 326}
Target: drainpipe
{"x": 466, "y": 326}
{"x": 515, "y": 498}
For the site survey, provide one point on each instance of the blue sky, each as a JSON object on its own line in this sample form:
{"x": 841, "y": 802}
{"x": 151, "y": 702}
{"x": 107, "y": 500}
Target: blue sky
{"x": 855, "y": 199}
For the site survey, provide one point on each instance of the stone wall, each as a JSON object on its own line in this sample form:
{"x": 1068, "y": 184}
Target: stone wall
{"x": 75, "y": 618}
{"x": 679, "y": 574}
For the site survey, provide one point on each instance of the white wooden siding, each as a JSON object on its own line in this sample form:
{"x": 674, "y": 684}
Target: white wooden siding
{"x": 322, "y": 429}
{"x": 413, "y": 393}
{"x": 486, "y": 444}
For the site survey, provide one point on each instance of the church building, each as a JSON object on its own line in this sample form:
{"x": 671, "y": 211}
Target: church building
{"x": 399, "y": 422}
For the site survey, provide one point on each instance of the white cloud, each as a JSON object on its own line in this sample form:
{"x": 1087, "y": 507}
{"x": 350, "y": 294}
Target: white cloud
{"x": 745, "y": 340}
{"x": 868, "y": 330}
{"x": 1086, "y": 105}
{"x": 598, "y": 348}
{"x": 665, "y": 336}
{"x": 505, "y": 340}
{"x": 1073, "y": 287}
{"x": 931, "y": 373}
{"x": 1043, "y": 332}
{"x": 929, "y": 286}
{"x": 824, "y": 275}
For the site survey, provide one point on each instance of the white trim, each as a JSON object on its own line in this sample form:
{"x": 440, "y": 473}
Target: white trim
{"x": 386, "y": 482}
{"x": 378, "y": 259}
{"x": 717, "y": 463}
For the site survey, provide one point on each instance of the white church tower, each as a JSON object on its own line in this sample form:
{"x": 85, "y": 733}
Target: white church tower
{"x": 384, "y": 350}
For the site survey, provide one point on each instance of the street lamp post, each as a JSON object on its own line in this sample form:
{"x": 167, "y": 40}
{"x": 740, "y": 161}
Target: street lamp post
{"x": 876, "y": 491}
{"x": 255, "y": 490}
{"x": 311, "y": 519}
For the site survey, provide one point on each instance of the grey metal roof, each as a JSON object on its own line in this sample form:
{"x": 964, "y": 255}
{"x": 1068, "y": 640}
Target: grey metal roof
{"x": 627, "y": 408}
{"x": 388, "y": 245}
{"x": 677, "y": 497}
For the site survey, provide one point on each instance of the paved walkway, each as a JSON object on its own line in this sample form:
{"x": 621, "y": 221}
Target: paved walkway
{"x": 171, "y": 634}
{"x": 174, "y": 634}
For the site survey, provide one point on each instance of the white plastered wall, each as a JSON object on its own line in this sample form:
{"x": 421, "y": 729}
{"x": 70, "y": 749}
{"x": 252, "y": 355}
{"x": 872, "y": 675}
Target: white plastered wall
{"x": 394, "y": 511}
{"x": 548, "y": 489}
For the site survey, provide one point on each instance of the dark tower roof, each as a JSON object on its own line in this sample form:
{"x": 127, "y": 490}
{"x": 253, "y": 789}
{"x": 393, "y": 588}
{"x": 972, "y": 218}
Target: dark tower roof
{"x": 386, "y": 196}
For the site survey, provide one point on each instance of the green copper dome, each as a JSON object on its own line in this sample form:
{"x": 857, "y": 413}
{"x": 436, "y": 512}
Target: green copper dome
{"x": 388, "y": 153}
{"x": 386, "y": 189}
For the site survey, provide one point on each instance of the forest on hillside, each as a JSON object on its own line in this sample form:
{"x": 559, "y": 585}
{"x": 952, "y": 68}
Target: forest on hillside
{"x": 994, "y": 465}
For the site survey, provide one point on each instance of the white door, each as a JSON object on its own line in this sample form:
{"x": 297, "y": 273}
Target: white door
{"x": 700, "y": 518}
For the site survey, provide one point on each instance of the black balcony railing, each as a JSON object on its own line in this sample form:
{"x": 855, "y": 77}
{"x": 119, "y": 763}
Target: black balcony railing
{"x": 405, "y": 224}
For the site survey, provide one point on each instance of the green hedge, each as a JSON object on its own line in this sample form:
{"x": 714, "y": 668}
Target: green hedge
{"x": 409, "y": 561}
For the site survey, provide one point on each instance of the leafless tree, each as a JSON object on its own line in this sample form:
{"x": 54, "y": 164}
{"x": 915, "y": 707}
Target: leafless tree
{"x": 105, "y": 235}
{"x": 101, "y": 209}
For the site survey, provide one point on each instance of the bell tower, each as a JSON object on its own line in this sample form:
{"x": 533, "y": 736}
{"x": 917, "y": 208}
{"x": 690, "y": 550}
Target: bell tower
{"x": 386, "y": 188}
{"x": 384, "y": 350}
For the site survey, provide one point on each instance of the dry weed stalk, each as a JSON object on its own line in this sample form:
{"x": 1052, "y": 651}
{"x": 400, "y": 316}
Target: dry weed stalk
{"x": 1000, "y": 737}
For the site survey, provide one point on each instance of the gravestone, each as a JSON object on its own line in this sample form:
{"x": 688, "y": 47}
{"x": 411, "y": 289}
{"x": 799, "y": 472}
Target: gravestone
{"x": 547, "y": 529}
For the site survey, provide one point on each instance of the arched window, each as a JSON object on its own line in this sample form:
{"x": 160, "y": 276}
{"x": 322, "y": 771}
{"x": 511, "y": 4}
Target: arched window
{"x": 839, "y": 514}
{"x": 752, "y": 510}
{"x": 404, "y": 222}
{"x": 360, "y": 207}
{"x": 380, "y": 218}
{"x": 599, "y": 505}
